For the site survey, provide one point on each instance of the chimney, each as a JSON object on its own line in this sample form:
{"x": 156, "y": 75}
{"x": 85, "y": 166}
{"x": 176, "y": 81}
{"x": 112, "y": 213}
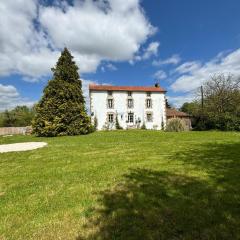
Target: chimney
{"x": 157, "y": 85}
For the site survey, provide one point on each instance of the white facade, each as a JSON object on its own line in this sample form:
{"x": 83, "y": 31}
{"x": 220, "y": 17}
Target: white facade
{"x": 131, "y": 108}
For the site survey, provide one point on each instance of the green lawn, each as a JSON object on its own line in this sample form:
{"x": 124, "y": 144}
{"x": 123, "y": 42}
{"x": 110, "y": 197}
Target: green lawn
{"x": 123, "y": 185}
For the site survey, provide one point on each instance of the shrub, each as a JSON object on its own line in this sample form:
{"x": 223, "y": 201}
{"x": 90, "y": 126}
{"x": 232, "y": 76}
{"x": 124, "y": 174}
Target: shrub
{"x": 143, "y": 127}
{"x": 175, "y": 125}
{"x": 95, "y": 124}
{"x": 117, "y": 125}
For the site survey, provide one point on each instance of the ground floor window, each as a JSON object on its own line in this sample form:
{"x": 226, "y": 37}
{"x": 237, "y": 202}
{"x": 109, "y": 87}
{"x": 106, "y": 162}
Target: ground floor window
{"x": 130, "y": 117}
{"x": 149, "y": 117}
{"x": 110, "y": 118}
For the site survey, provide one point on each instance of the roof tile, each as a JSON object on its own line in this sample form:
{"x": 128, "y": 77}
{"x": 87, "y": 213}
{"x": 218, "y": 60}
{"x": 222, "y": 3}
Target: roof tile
{"x": 125, "y": 88}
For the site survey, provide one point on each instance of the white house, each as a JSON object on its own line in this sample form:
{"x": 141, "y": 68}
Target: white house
{"x": 132, "y": 106}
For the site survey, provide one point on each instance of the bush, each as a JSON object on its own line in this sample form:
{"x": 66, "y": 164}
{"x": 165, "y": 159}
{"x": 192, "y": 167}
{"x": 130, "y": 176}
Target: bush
{"x": 143, "y": 127}
{"x": 95, "y": 123}
{"x": 175, "y": 125}
{"x": 117, "y": 125}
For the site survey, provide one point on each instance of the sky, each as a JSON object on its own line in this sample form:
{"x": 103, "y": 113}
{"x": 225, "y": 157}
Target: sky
{"x": 179, "y": 44}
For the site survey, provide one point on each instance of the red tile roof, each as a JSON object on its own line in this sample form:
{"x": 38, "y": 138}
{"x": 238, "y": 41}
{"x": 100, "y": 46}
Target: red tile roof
{"x": 125, "y": 88}
{"x": 171, "y": 112}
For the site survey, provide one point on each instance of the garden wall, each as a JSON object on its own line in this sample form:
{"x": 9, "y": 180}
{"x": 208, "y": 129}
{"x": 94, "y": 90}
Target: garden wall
{"x": 15, "y": 130}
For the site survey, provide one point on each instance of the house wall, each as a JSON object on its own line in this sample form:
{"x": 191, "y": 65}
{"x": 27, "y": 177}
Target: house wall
{"x": 98, "y": 108}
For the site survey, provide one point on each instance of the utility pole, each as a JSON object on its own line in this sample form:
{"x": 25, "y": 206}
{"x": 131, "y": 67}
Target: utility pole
{"x": 202, "y": 97}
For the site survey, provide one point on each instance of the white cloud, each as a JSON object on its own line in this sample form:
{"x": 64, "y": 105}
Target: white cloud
{"x": 94, "y": 31}
{"x": 159, "y": 75}
{"x": 174, "y": 60}
{"x": 152, "y": 50}
{"x": 188, "y": 67}
{"x": 195, "y": 73}
{"x": 10, "y": 98}
{"x": 178, "y": 101}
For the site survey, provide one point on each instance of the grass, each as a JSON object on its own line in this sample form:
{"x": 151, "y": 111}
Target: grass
{"x": 122, "y": 185}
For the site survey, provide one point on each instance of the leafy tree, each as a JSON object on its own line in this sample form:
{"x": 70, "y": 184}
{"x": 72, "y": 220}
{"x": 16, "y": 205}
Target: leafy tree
{"x": 9, "y": 119}
{"x": 221, "y": 108}
{"x": 20, "y": 116}
{"x": 61, "y": 111}
{"x": 190, "y": 108}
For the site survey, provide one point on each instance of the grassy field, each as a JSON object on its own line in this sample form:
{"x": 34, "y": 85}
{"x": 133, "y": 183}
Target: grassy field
{"x": 123, "y": 185}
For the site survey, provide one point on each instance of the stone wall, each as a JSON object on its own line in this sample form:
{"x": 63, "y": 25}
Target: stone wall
{"x": 15, "y": 130}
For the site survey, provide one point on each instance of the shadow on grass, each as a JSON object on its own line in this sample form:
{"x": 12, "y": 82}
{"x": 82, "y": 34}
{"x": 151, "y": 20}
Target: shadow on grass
{"x": 161, "y": 205}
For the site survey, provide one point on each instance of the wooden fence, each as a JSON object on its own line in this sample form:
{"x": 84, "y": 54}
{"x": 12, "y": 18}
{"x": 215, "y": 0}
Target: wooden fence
{"x": 15, "y": 130}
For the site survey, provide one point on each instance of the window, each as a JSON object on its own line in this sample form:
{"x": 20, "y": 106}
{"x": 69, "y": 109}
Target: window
{"x": 130, "y": 117}
{"x": 110, "y": 117}
{"x": 129, "y": 94}
{"x": 148, "y": 94}
{"x": 149, "y": 103}
{"x": 110, "y": 103}
{"x": 149, "y": 117}
{"x": 109, "y": 93}
{"x": 130, "y": 103}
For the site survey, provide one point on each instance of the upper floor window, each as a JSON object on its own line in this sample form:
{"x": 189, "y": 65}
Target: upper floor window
{"x": 130, "y": 103}
{"x": 129, "y": 94}
{"x": 148, "y": 94}
{"x": 149, "y": 103}
{"x": 110, "y": 103}
{"x": 109, "y": 93}
{"x": 110, "y": 118}
{"x": 130, "y": 117}
{"x": 149, "y": 117}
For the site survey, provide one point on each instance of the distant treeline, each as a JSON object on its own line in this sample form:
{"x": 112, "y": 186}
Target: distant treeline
{"x": 20, "y": 116}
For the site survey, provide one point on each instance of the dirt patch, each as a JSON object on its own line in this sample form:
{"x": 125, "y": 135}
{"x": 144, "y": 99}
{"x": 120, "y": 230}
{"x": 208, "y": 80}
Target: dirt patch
{"x": 17, "y": 147}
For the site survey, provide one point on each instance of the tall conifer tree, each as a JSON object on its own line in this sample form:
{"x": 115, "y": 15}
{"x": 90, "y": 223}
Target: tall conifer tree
{"x": 61, "y": 111}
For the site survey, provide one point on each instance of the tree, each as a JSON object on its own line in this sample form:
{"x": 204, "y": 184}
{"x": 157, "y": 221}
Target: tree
{"x": 220, "y": 110}
{"x": 190, "y": 108}
{"x": 117, "y": 125}
{"x": 167, "y": 104}
{"x": 20, "y": 116}
{"x": 61, "y": 111}
{"x": 9, "y": 119}
{"x": 95, "y": 123}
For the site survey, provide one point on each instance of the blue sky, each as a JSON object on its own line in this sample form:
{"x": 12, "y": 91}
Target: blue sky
{"x": 178, "y": 43}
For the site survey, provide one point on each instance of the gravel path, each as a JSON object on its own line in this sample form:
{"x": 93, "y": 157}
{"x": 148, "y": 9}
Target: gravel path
{"x": 16, "y": 147}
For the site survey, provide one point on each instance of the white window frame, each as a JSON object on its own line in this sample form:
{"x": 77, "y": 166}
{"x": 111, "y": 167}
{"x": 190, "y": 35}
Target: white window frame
{"x": 130, "y": 117}
{"x": 151, "y": 119}
{"x": 108, "y": 103}
{"x": 110, "y": 118}
{"x": 149, "y": 103}
{"x": 130, "y": 100}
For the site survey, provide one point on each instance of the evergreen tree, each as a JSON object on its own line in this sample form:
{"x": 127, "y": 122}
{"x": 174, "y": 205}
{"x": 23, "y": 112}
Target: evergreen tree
{"x": 61, "y": 111}
{"x": 117, "y": 124}
{"x": 143, "y": 127}
{"x": 95, "y": 123}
